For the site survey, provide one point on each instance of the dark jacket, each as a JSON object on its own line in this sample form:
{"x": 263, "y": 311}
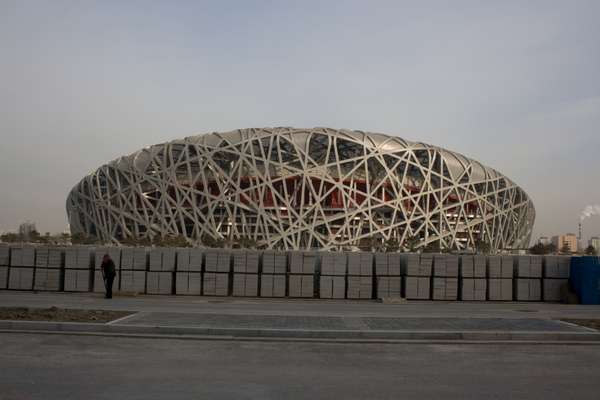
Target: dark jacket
{"x": 108, "y": 267}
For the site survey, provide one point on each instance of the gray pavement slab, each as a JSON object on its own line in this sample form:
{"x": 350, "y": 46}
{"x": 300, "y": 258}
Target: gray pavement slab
{"x": 236, "y": 321}
{"x": 471, "y": 324}
{"x": 347, "y": 323}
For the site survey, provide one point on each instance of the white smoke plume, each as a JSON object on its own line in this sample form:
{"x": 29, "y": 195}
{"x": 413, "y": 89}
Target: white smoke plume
{"x": 589, "y": 211}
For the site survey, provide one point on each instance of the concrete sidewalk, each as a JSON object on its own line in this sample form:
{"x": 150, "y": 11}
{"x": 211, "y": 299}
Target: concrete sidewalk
{"x": 315, "y": 307}
{"x": 313, "y": 319}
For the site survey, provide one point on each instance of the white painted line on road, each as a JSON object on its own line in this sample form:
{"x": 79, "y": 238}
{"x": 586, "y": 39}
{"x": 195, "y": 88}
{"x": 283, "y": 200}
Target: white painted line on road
{"x": 575, "y": 325}
{"x": 114, "y": 321}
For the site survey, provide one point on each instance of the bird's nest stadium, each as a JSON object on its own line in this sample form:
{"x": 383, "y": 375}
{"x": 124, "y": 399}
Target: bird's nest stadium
{"x": 287, "y": 188}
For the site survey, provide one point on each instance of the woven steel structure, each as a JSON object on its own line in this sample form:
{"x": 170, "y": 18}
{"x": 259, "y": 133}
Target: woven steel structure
{"x": 302, "y": 188}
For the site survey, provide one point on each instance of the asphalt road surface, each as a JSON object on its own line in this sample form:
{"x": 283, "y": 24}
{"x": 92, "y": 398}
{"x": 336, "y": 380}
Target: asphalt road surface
{"x": 52, "y": 366}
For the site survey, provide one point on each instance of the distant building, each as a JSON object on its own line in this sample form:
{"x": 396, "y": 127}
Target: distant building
{"x": 544, "y": 240}
{"x": 595, "y": 242}
{"x": 570, "y": 239}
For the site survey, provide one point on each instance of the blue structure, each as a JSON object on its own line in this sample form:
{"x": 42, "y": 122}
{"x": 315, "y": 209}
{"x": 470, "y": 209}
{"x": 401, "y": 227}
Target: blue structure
{"x": 585, "y": 279}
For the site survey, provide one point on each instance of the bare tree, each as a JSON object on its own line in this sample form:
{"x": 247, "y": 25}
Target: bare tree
{"x": 591, "y": 251}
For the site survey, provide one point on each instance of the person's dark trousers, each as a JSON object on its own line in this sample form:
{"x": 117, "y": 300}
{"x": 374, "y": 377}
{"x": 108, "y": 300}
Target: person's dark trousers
{"x": 109, "y": 284}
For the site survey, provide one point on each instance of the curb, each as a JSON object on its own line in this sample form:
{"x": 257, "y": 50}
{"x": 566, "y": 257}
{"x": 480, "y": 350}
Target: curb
{"x": 316, "y": 341}
{"x": 297, "y": 334}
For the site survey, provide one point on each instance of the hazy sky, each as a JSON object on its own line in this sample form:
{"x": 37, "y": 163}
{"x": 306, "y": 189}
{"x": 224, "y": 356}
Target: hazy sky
{"x": 515, "y": 85}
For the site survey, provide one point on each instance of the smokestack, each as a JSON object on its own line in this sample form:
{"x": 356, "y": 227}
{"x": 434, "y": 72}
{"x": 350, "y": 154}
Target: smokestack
{"x": 589, "y": 211}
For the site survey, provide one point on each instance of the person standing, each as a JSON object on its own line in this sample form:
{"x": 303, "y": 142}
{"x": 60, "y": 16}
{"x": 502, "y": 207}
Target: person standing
{"x": 108, "y": 272}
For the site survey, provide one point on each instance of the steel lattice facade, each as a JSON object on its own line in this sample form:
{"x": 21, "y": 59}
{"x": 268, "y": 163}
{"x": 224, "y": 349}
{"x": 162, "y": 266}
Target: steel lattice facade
{"x": 291, "y": 188}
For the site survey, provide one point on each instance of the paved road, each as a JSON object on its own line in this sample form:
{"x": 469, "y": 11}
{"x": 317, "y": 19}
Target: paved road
{"x": 77, "y": 367}
{"x": 230, "y": 305}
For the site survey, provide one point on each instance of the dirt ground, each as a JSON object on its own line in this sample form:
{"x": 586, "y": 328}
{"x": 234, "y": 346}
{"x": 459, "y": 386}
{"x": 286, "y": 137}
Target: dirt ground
{"x": 59, "y": 314}
{"x": 590, "y": 323}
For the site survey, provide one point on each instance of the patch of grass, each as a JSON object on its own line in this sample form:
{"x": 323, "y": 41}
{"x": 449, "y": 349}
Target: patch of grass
{"x": 60, "y": 314}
